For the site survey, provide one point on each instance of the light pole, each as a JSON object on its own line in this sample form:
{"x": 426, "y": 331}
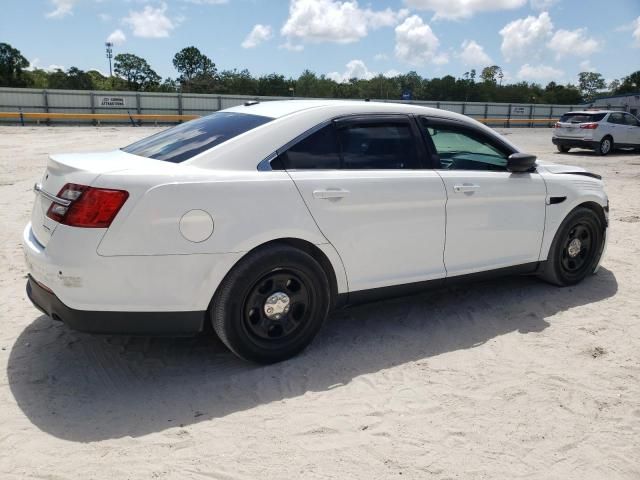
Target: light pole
{"x": 109, "y": 46}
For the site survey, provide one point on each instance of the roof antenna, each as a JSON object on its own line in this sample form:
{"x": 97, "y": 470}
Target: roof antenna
{"x": 367, "y": 99}
{"x": 251, "y": 102}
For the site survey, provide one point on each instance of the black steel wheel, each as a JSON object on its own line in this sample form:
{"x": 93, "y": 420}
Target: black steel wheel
{"x": 576, "y": 248}
{"x": 271, "y": 305}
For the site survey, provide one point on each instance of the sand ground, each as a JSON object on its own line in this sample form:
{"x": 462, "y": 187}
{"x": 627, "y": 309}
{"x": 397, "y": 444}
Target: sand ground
{"x": 504, "y": 379}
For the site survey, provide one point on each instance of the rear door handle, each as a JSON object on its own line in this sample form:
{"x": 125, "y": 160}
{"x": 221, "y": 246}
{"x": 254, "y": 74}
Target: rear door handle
{"x": 466, "y": 187}
{"x": 329, "y": 193}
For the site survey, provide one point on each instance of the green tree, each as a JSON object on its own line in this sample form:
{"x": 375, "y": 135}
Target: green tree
{"x": 589, "y": 84}
{"x": 491, "y": 74}
{"x": 629, "y": 84}
{"x": 12, "y": 66}
{"x": 197, "y": 71}
{"x": 137, "y": 73}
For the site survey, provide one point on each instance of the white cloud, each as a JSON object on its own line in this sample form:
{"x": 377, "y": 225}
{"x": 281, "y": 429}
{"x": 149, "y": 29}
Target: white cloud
{"x": 533, "y": 73}
{"x": 150, "y": 22}
{"x": 636, "y": 33}
{"x": 117, "y": 37}
{"x": 543, "y": 4}
{"x": 207, "y": 2}
{"x": 61, "y": 8}
{"x": 355, "y": 69}
{"x": 473, "y": 55}
{"x": 441, "y": 59}
{"x": 35, "y": 64}
{"x": 391, "y": 73}
{"x": 585, "y": 66}
{"x": 259, "y": 33}
{"x": 520, "y": 37}
{"x": 456, "y": 9}
{"x": 573, "y": 42}
{"x": 416, "y": 43}
{"x": 335, "y": 21}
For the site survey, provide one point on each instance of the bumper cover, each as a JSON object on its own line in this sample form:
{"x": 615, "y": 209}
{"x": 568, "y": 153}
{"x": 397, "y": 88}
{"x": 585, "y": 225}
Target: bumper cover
{"x": 130, "y": 323}
{"x": 575, "y": 143}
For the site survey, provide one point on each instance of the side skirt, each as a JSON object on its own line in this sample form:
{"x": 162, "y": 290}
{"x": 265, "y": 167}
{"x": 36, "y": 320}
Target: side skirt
{"x": 395, "y": 291}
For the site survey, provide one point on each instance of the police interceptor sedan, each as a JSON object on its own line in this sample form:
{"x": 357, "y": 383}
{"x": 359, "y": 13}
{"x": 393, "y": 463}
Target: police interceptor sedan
{"x": 260, "y": 219}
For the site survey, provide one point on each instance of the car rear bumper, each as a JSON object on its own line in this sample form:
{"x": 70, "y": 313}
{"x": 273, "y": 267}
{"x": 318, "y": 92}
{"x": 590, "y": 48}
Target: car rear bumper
{"x": 131, "y": 323}
{"x": 575, "y": 143}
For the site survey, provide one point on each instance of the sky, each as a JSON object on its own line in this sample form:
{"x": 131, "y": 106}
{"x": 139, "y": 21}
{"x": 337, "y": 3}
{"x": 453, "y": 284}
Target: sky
{"x": 533, "y": 40}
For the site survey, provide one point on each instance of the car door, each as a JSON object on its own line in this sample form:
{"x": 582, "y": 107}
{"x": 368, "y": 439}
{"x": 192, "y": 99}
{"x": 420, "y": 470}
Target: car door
{"x": 495, "y": 218}
{"x": 633, "y": 130}
{"x": 363, "y": 180}
{"x": 617, "y": 128}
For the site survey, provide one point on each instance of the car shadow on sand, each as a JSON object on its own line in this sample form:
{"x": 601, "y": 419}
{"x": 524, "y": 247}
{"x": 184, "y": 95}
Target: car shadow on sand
{"x": 82, "y": 388}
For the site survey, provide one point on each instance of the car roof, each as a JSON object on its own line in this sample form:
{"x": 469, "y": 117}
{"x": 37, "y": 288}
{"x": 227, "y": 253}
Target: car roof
{"x": 591, "y": 112}
{"x": 281, "y": 108}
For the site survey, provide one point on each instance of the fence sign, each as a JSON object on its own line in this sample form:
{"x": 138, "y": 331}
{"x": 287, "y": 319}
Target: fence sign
{"x": 111, "y": 102}
{"x": 517, "y": 110}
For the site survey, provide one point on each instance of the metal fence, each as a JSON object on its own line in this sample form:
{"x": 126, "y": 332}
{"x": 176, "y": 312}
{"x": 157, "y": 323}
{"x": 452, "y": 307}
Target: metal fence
{"x": 30, "y": 100}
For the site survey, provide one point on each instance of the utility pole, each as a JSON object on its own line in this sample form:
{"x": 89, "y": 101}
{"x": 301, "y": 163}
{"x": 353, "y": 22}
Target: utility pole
{"x": 109, "y": 46}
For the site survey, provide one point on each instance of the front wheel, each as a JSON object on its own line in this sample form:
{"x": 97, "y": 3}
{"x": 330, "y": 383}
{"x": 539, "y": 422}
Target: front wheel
{"x": 576, "y": 248}
{"x": 605, "y": 146}
{"x": 271, "y": 305}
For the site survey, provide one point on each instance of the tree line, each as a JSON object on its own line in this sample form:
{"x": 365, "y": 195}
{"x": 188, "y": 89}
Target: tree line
{"x": 197, "y": 73}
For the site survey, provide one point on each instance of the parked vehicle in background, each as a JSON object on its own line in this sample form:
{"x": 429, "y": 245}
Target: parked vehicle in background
{"x": 598, "y": 130}
{"x": 259, "y": 219}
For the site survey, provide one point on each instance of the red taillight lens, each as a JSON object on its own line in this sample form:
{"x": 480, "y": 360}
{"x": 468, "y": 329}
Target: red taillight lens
{"x": 90, "y": 207}
{"x": 589, "y": 126}
{"x": 557, "y": 125}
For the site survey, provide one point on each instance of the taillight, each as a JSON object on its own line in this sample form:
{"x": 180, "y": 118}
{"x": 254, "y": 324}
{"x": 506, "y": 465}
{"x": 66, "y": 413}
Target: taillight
{"x": 589, "y": 126}
{"x": 557, "y": 125}
{"x": 89, "y": 207}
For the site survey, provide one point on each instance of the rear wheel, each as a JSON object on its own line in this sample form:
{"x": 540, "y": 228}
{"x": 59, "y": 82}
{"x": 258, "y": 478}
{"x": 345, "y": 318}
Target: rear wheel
{"x": 576, "y": 248}
{"x": 271, "y": 305}
{"x": 563, "y": 148}
{"x": 605, "y": 146}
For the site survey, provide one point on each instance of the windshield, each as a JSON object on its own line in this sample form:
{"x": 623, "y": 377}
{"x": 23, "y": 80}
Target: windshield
{"x": 581, "y": 117}
{"x": 187, "y": 140}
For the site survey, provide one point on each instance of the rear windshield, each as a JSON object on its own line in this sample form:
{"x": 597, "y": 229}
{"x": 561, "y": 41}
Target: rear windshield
{"x": 582, "y": 117}
{"x": 187, "y": 140}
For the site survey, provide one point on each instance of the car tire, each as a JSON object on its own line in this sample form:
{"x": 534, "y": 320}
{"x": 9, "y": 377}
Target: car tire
{"x": 270, "y": 306}
{"x": 576, "y": 248}
{"x": 563, "y": 148}
{"x": 605, "y": 146}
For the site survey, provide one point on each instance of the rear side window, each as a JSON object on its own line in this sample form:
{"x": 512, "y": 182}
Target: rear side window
{"x": 355, "y": 146}
{"x": 379, "y": 146}
{"x": 317, "y": 151}
{"x": 187, "y": 140}
{"x": 582, "y": 117}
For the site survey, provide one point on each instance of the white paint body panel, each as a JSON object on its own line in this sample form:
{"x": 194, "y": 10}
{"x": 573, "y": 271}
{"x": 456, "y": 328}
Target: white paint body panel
{"x": 496, "y": 224}
{"x": 394, "y": 227}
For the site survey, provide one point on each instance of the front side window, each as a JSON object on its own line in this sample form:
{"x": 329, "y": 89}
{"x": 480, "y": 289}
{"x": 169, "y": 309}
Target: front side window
{"x": 187, "y": 140}
{"x": 460, "y": 148}
{"x": 631, "y": 120}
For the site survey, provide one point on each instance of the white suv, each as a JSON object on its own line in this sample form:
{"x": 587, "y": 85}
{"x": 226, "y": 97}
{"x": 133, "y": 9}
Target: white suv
{"x": 599, "y": 130}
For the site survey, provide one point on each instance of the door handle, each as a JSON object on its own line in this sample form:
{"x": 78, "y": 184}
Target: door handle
{"x": 465, "y": 188}
{"x": 329, "y": 193}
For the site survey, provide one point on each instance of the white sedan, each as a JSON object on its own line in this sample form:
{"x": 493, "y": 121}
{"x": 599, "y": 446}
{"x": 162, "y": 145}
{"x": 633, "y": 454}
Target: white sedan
{"x": 260, "y": 219}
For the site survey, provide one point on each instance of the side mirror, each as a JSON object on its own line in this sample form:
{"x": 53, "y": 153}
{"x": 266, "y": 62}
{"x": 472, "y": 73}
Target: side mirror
{"x": 521, "y": 162}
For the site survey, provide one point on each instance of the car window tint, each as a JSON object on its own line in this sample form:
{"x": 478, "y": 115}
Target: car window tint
{"x": 378, "y": 146}
{"x": 630, "y": 120}
{"x": 187, "y": 140}
{"x": 463, "y": 149}
{"x": 616, "y": 118}
{"x": 581, "y": 117}
{"x": 317, "y": 151}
